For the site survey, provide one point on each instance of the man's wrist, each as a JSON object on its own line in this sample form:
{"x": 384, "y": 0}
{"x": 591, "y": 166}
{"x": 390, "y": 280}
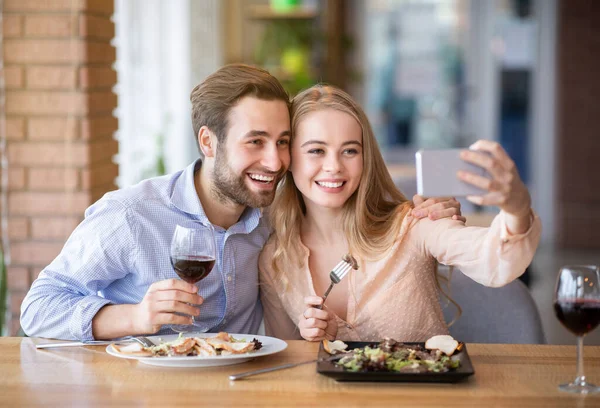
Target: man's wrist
{"x": 114, "y": 321}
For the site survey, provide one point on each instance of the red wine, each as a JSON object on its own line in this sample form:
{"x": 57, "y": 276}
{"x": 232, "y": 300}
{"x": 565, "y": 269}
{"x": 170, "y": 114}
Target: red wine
{"x": 580, "y": 316}
{"x": 192, "y": 268}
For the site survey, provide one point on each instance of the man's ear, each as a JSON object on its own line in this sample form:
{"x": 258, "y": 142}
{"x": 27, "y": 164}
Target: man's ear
{"x": 207, "y": 142}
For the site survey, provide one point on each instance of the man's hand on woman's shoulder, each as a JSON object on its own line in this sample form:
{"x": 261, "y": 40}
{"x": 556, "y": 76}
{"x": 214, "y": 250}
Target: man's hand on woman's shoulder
{"x": 437, "y": 208}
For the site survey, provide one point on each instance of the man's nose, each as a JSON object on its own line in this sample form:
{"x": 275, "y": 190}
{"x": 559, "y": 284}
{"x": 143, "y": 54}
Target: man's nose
{"x": 272, "y": 158}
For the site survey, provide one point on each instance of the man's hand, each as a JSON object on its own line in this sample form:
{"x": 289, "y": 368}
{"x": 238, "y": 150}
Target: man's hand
{"x": 437, "y": 208}
{"x": 316, "y": 324}
{"x": 161, "y": 303}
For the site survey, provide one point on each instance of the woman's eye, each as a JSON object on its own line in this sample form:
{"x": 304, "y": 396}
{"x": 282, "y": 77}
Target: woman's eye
{"x": 350, "y": 152}
{"x": 315, "y": 151}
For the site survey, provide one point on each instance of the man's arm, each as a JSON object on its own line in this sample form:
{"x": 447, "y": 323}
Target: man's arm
{"x": 63, "y": 300}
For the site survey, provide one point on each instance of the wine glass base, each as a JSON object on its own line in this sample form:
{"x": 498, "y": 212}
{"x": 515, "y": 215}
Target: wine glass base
{"x": 182, "y": 329}
{"x": 574, "y": 388}
{"x": 189, "y": 328}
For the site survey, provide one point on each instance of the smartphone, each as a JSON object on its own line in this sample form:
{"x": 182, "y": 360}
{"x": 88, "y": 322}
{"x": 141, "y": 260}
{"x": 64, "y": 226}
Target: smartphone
{"x": 436, "y": 174}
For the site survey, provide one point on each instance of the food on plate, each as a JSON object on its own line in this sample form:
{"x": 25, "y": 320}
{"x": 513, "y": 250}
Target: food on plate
{"x": 390, "y": 355}
{"x": 351, "y": 260}
{"x": 220, "y": 345}
{"x": 444, "y": 343}
{"x": 334, "y": 347}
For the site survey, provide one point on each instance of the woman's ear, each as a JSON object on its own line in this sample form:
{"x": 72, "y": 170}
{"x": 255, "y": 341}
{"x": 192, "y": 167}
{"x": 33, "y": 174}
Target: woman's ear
{"x": 207, "y": 142}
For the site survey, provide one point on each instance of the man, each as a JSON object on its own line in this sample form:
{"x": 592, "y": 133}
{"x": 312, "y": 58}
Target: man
{"x": 114, "y": 278}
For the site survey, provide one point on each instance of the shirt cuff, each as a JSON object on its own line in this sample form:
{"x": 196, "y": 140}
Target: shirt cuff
{"x": 506, "y": 236}
{"x": 81, "y": 319}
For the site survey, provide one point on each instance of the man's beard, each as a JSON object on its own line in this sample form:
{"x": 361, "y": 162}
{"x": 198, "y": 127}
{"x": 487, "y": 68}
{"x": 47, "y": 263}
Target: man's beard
{"x": 228, "y": 186}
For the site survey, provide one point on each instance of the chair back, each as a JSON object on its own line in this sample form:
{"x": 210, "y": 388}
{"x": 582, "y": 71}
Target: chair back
{"x": 492, "y": 315}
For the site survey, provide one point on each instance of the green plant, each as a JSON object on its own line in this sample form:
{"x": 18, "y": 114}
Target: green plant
{"x": 285, "y": 49}
{"x": 3, "y": 293}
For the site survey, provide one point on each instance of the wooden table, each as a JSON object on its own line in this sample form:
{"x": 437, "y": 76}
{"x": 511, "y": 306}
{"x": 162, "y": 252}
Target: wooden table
{"x": 505, "y": 375}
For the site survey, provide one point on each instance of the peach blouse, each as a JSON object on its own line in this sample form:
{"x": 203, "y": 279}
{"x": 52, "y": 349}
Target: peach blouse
{"x": 397, "y": 296}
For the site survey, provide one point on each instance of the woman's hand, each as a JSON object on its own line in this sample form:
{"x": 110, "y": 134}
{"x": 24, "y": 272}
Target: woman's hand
{"x": 505, "y": 189}
{"x": 316, "y": 324}
{"x": 437, "y": 208}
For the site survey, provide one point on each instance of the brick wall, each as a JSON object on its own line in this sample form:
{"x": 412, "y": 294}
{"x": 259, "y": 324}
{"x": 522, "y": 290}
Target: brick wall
{"x": 59, "y": 126}
{"x": 578, "y": 130}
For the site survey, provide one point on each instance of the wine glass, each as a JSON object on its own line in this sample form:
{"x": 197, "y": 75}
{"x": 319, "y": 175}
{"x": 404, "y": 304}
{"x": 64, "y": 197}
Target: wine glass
{"x": 193, "y": 254}
{"x": 577, "y": 306}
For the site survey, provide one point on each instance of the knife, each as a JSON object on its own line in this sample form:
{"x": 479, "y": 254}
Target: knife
{"x": 78, "y": 343}
{"x": 239, "y": 376}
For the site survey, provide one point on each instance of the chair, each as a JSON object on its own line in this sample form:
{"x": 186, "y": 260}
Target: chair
{"x": 492, "y": 315}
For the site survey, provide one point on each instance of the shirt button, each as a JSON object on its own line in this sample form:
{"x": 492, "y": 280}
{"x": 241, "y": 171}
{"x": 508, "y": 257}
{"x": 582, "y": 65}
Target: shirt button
{"x": 229, "y": 278}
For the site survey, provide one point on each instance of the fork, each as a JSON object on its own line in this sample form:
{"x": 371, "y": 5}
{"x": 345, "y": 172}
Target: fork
{"x": 144, "y": 341}
{"x": 337, "y": 274}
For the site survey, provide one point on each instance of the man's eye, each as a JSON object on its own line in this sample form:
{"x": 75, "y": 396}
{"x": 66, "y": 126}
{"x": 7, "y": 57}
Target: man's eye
{"x": 283, "y": 142}
{"x": 256, "y": 141}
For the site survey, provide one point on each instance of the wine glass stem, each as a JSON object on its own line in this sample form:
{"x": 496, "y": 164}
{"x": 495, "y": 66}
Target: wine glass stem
{"x": 580, "y": 380}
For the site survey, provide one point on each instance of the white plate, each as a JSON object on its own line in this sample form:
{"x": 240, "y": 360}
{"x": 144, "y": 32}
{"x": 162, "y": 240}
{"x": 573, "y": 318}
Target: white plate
{"x": 270, "y": 345}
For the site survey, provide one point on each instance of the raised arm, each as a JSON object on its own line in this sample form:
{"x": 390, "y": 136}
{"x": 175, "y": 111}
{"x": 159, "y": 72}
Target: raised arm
{"x": 492, "y": 256}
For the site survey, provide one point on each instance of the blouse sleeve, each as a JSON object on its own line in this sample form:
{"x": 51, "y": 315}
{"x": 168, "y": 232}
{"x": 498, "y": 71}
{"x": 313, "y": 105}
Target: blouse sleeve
{"x": 491, "y": 256}
{"x": 277, "y": 321}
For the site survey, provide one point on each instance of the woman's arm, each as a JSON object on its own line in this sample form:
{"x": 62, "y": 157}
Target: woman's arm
{"x": 492, "y": 256}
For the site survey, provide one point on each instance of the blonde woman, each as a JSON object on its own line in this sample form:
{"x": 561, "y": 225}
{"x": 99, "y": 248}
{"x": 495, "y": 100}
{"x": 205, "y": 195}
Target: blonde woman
{"x": 339, "y": 198}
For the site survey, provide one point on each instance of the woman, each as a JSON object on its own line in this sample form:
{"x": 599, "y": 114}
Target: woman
{"x": 338, "y": 198}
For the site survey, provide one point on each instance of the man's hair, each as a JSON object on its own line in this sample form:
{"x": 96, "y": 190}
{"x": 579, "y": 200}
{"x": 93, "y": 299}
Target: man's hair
{"x": 214, "y": 97}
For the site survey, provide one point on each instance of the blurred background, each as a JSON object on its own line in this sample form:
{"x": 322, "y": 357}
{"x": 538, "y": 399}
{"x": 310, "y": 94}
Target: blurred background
{"x": 95, "y": 96}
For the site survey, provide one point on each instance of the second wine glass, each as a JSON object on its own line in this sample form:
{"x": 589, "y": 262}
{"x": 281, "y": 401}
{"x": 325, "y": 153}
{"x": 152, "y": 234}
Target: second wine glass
{"x": 193, "y": 255}
{"x": 577, "y": 306}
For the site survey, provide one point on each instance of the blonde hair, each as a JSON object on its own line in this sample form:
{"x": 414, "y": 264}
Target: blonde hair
{"x": 372, "y": 216}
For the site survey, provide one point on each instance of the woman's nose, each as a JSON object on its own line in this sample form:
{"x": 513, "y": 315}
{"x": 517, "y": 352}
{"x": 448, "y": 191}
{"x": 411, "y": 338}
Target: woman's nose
{"x": 332, "y": 164}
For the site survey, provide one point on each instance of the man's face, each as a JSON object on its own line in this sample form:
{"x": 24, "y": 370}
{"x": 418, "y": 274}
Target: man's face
{"x": 255, "y": 154}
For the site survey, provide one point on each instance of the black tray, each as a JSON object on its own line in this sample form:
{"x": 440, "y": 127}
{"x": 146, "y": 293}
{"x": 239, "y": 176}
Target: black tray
{"x": 329, "y": 369}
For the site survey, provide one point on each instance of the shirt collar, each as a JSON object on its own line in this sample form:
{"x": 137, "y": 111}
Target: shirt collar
{"x": 185, "y": 198}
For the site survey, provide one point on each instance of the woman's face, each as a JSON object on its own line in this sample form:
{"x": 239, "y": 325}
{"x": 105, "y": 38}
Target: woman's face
{"x": 327, "y": 159}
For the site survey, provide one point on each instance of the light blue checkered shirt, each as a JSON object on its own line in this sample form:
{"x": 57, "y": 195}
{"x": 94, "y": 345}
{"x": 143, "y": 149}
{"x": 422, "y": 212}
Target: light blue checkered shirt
{"x": 122, "y": 247}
